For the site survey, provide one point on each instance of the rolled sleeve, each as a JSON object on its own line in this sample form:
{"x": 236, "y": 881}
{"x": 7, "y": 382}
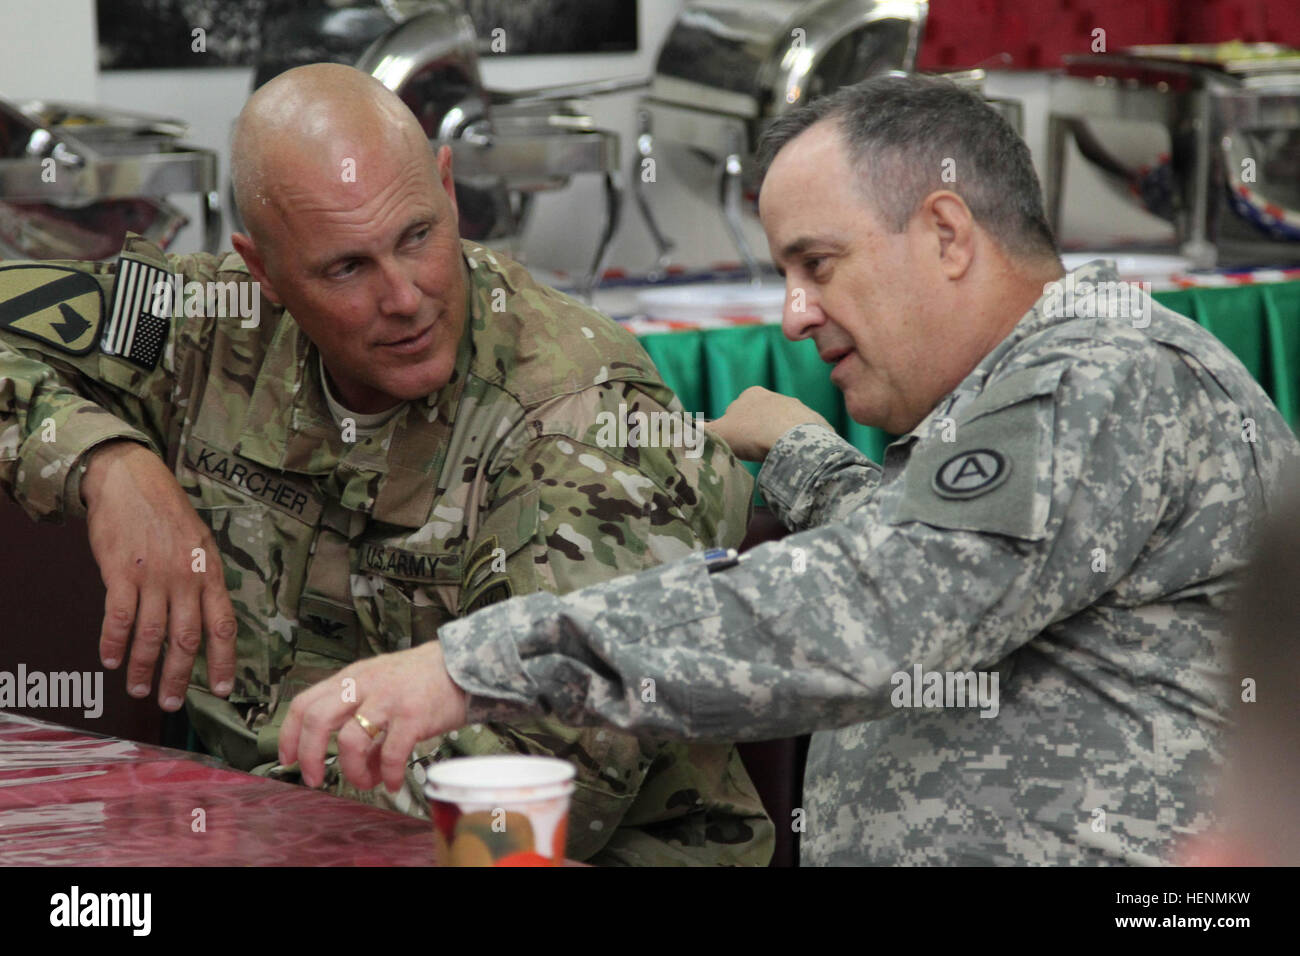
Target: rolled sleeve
{"x": 811, "y": 476}
{"x": 484, "y": 662}
{"x": 48, "y": 480}
{"x": 608, "y": 653}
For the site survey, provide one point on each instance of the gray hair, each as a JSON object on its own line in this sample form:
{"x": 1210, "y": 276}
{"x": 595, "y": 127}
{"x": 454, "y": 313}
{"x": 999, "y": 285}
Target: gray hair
{"x": 903, "y": 132}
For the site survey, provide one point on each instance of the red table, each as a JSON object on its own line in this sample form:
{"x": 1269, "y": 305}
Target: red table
{"x": 69, "y": 798}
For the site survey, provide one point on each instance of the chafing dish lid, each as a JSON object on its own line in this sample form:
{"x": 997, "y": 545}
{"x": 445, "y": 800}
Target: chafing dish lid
{"x": 755, "y": 58}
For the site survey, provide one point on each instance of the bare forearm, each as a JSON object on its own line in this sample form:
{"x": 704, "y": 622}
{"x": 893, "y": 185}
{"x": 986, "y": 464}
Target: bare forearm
{"x": 101, "y": 460}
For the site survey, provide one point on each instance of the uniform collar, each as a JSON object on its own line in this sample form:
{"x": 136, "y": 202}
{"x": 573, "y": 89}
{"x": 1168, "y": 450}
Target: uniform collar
{"x": 1038, "y": 317}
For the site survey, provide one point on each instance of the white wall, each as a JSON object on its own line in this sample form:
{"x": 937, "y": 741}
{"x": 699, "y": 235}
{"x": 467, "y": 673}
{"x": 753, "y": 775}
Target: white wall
{"x": 47, "y": 51}
{"x": 47, "y": 48}
{"x": 209, "y": 100}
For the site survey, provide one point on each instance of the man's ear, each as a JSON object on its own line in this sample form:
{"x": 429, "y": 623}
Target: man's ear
{"x": 446, "y": 178}
{"x": 247, "y": 250}
{"x": 950, "y": 219}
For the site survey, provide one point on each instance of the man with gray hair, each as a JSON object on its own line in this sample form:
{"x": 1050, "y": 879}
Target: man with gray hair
{"x": 1057, "y": 532}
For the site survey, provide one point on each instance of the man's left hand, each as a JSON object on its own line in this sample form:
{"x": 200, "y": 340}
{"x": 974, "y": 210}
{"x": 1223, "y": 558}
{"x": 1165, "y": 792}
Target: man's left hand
{"x": 405, "y": 697}
{"x": 757, "y": 419}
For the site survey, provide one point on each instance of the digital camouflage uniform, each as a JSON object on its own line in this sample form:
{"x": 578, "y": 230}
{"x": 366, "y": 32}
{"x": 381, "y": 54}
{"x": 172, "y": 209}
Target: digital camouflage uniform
{"x": 1091, "y": 568}
{"x": 494, "y": 485}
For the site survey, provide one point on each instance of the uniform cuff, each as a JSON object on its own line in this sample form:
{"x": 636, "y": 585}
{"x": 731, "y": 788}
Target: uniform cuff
{"x": 791, "y": 471}
{"x": 48, "y": 484}
{"x": 482, "y": 658}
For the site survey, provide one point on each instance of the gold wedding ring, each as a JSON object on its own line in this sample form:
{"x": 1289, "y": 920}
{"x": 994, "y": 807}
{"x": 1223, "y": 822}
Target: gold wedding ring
{"x": 371, "y": 730}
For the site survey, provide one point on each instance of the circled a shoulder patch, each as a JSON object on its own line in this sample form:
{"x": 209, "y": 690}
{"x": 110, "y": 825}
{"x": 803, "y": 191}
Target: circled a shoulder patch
{"x": 971, "y": 473}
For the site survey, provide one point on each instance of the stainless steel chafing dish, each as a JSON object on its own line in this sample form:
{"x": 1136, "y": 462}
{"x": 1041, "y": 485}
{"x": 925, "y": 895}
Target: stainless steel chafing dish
{"x": 729, "y": 67}
{"x": 1205, "y": 137}
{"x": 507, "y": 146}
{"x": 74, "y": 179}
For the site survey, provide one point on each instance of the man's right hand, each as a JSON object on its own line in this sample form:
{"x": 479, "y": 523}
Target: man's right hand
{"x": 143, "y": 533}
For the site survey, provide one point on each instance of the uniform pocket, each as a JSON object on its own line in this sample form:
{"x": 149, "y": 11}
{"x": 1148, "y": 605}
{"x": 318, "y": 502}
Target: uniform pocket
{"x": 263, "y": 548}
{"x": 409, "y": 616}
{"x": 241, "y": 533}
{"x": 493, "y": 571}
{"x": 408, "y": 585}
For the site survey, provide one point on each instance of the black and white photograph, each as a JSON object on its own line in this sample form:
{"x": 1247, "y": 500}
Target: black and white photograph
{"x": 650, "y": 435}
{"x": 173, "y": 34}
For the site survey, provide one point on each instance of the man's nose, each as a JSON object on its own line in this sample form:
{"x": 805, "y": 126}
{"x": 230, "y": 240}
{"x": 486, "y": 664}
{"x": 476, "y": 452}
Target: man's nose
{"x": 400, "y": 294}
{"x": 801, "y": 313}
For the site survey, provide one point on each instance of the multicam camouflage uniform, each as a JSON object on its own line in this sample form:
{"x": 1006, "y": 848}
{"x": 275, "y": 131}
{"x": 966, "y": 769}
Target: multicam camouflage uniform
{"x": 495, "y": 485}
{"x": 1079, "y": 533}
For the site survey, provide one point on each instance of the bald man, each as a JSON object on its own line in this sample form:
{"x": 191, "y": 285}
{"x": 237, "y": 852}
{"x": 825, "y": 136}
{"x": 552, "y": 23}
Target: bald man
{"x": 349, "y": 431}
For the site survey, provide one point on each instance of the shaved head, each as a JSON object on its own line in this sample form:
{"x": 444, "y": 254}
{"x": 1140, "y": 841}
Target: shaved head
{"x": 352, "y": 228}
{"x": 308, "y": 124}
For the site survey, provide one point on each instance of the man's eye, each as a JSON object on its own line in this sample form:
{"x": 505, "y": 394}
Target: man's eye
{"x": 418, "y": 235}
{"x": 343, "y": 269}
{"x": 814, "y": 266}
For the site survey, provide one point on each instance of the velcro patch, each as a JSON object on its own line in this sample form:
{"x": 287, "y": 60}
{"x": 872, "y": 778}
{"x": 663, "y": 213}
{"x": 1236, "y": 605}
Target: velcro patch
{"x": 135, "y": 331}
{"x": 482, "y": 558}
{"x": 484, "y": 582}
{"x": 493, "y": 592}
{"x": 296, "y": 498}
{"x": 60, "y": 307}
{"x": 995, "y": 478}
{"x": 325, "y": 627}
{"x": 971, "y": 473}
{"x": 413, "y": 566}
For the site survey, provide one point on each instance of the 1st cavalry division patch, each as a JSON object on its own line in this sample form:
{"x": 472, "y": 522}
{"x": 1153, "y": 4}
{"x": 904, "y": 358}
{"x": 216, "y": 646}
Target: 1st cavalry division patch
{"x": 60, "y": 307}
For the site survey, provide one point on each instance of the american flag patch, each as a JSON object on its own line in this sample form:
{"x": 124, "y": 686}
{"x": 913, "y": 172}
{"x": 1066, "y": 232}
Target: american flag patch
{"x": 134, "y": 331}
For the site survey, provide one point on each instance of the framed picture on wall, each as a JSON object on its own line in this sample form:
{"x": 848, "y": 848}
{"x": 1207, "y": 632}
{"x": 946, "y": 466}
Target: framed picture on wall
{"x": 173, "y": 34}
{"x": 555, "y": 26}
{"x": 177, "y": 34}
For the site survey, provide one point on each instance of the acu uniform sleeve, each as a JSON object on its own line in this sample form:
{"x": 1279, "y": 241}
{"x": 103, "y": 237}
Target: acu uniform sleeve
{"x": 812, "y": 477}
{"x": 951, "y": 569}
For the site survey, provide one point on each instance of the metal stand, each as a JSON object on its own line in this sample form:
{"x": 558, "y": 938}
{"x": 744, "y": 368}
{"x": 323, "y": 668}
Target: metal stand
{"x": 644, "y": 151}
{"x": 96, "y": 163}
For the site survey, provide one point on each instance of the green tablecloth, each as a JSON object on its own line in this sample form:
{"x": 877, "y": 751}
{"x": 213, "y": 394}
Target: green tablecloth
{"x": 1260, "y": 323}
